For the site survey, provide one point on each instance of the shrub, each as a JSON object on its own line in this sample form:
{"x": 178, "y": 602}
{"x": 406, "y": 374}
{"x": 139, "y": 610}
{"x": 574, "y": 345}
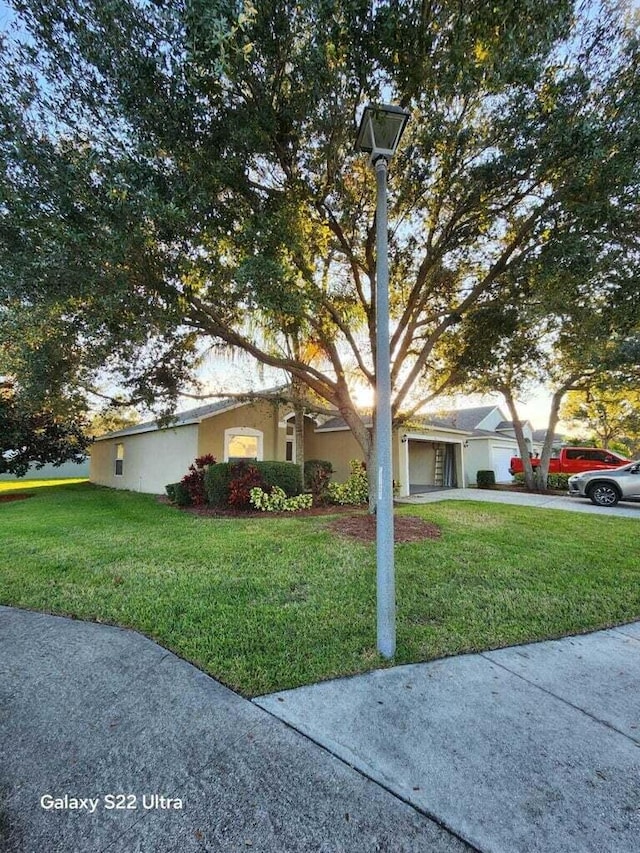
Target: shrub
{"x": 317, "y": 473}
{"x": 554, "y": 481}
{"x": 558, "y": 481}
{"x": 285, "y": 475}
{"x": 216, "y": 483}
{"x": 178, "y": 494}
{"x": 355, "y": 490}
{"x": 244, "y": 478}
{"x": 219, "y": 477}
{"x": 485, "y": 479}
{"x": 193, "y": 482}
{"x": 277, "y": 500}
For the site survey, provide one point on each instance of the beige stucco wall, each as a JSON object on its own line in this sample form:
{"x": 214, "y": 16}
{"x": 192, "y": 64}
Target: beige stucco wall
{"x": 422, "y": 462}
{"x": 338, "y": 447}
{"x": 260, "y": 415}
{"x": 151, "y": 459}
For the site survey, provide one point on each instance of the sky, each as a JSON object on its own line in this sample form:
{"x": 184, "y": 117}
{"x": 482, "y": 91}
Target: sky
{"x": 237, "y": 374}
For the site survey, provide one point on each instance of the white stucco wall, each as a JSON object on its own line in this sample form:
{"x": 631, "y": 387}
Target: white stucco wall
{"x": 151, "y": 459}
{"x": 491, "y": 421}
{"x": 488, "y": 454}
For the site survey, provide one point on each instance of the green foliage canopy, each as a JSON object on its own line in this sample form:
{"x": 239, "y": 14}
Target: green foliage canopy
{"x": 175, "y": 173}
{"x": 42, "y": 436}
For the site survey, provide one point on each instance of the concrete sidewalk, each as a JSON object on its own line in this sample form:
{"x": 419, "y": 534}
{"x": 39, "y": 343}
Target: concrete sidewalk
{"x": 625, "y": 509}
{"x": 535, "y": 748}
{"x": 526, "y": 749}
{"x": 88, "y": 711}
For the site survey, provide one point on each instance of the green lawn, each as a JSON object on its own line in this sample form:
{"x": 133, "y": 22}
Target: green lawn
{"x": 265, "y": 604}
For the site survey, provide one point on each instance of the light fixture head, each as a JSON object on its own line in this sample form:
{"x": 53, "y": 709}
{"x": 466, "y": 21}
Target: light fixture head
{"x": 381, "y": 127}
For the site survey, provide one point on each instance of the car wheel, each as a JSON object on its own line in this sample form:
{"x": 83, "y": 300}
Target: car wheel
{"x": 602, "y": 494}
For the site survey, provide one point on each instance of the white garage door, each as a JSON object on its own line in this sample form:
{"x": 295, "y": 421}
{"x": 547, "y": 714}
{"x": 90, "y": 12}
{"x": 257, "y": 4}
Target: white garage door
{"x": 501, "y": 457}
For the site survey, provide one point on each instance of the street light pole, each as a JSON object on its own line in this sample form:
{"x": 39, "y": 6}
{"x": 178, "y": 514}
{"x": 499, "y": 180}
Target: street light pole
{"x": 385, "y": 580}
{"x": 379, "y": 133}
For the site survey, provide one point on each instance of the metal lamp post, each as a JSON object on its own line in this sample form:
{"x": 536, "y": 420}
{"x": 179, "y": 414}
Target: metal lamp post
{"x": 380, "y": 130}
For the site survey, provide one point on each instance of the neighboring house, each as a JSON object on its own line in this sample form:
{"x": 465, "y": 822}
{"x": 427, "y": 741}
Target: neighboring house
{"x": 491, "y": 441}
{"x": 53, "y": 472}
{"x": 539, "y": 436}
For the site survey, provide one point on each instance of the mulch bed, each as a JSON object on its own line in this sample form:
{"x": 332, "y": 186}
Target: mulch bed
{"x": 14, "y": 496}
{"x": 360, "y": 526}
{"x": 206, "y": 511}
{"x": 406, "y": 528}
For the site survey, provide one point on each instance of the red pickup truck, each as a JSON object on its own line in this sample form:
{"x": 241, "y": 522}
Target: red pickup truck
{"x": 574, "y": 460}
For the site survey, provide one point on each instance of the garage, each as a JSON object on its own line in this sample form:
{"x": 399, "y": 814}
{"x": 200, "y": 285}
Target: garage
{"x": 501, "y": 458}
{"x": 432, "y": 464}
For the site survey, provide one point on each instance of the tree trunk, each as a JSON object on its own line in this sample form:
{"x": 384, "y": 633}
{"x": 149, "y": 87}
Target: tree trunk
{"x": 547, "y": 448}
{"x": 527, "y": 467}
{"x": 298, "y": 409}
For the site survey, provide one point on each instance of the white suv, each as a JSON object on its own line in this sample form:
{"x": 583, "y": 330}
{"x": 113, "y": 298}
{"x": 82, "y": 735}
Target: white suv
{"x": 606, "y": 488}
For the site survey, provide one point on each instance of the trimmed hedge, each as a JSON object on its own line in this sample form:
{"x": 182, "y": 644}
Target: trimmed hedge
{"x": 486, "y": 479}
{"x": 558, "y": 481}
{"x": 554, "y": 481}
{"x": 178, "y": 494}
{"x": 216, "y": 483}
{"x": 286, "y": 475}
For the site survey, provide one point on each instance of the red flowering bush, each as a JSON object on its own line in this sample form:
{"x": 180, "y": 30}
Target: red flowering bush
{"x": 193, "y": 482}
{"x": 244, "y": 478}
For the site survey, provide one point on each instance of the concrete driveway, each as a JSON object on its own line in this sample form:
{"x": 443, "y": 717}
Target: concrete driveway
{"x": 625, "y": 509}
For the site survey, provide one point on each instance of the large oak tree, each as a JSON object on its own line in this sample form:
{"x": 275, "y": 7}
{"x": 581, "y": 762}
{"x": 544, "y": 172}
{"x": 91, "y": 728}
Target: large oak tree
{"x": 181, "y": 174}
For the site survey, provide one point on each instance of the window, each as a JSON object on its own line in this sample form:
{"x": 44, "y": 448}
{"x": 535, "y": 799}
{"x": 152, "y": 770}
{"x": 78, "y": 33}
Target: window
{"x": 242, "y": 443}
{"x": 575, "y": 454}
{"x": 243, "y": 447}
{"x": 602, "y": 456}
{"x": 291, "y": 439}
{"x": 119, "y": 459}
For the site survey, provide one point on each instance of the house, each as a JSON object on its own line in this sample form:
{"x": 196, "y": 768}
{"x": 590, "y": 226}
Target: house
{"x": 491, "y": 440}
{"x": 445, "y": 449}
{"x": 147, "y": 456}
{"x": 540, "y": 435}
